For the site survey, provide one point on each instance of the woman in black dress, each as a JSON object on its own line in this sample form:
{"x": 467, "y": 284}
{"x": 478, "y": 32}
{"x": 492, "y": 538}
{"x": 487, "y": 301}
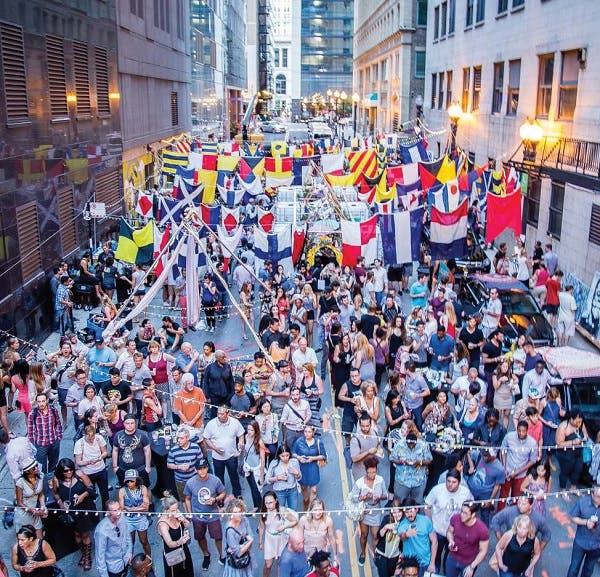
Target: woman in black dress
{"x": 35, "y": 554}
{"x": 342, "y": 362}
{"x": 174, "y": 530}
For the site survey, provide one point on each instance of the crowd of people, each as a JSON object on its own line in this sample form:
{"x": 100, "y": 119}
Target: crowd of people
{"x": 448, "y": 433}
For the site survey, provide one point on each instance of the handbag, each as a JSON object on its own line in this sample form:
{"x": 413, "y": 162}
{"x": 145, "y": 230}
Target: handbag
{"x": 242, "y": 561}
{"x": 176, "y": 556}
{"x": 320, "y": 462}
{"x": 66, "y": 520}
{"x": 354, "y": 509}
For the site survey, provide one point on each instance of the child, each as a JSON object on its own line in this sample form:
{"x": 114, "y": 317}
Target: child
{"x": 537, "y": 484}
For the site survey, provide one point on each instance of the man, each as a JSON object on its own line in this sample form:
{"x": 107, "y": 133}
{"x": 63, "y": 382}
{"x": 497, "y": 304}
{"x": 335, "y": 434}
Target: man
{"x": 319, "y": 560}
{"x": 349, "y": 395}
{"x": 441, "y": 347}
{"x": 63, "y": 306}
{"x": 45, "y": 431}
{"x": 126, "y": 361}
{"x": 438, "y": 302}
{"x": 363, "y": 444}
{"x": 492, "y": 356}
{"x": 550, "y": 259}
{"x": 224, "y": 436}
{"x": 304, "y": 354}
{"x": 116, "y": 390}
{"x": 468, "y": 542}
{"x": 242, "y": 403}
{"x": 380, "y": 280}
{"x": 100, "y": 359}
{"x": 408, "y": 567}
{"x": 17, "y": 451}
{"x": 586, "y": 545}
{"x": 75, "y": 395}
{"x": 204, "y": 494}
{"x": 538, "y": 380}
{"x": 188, "y": 405}
{"x": 419, "y": 343}
{"x": 242, "y": 274}
{"x": 180, "y": 288}
{"x": 472, "y": 337}
{"x": 418, "y": 292}
{"x": 182, "y": 459}
{"x": 553, "y": 287}
{"x": 492, "y": 311}
{"x": 346, "y": 311}
{"x": 279, "y": 387}
{"x": 218, "y": 382}
{"x": 518, "y": 452}
{"x": 293, "y": 561}
{"x": 567, "y": 307}
{"x": 370, "y": 321}
{"x": 170, "y": 334}
{"x": 113, "y": 543}
{"x": 463, "y": 387}
{"x": 418, "y": 537}
{"x": 131, "y": 450}
{"x": 141, "y": 372}
{"x": 503, "y": 520}
{"x": 486, "y": 477}
{"x": 445, "y": 500}
{"x": 415, "y": 392}
{"x": 141, "y": 564}
{"x": 187, "y": 359}
{"x": 360, "y": 275}
{"x": 272, "y": 334}
{"x": 390, "y": 309}
{"x": 411, "y": 456}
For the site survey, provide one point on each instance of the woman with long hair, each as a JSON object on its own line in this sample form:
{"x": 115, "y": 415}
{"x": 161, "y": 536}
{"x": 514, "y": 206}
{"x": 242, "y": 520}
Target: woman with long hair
{"x": 20, "y": 385}
{"x": 342, "y": 361}
{"x": 134, "y": 499}
{"x": 309, "y": 301}
{"x": 90, "y": 458}
{"x": 280, "y": 349}
{"x": 206, "y": 358}
{"x": 157, "y": 361}
{"x": 448, "y": 319}
{"x": 369, "y": 402}
{"x": 114, "y": 419}
{"x": 505, "y": 385}
{"x": 283, "y": 306}
{"x": 318, "y": 529}
{"x": 253, "y": 467}
{"x": 237, "y": 540}
{"x": 312, "y": 389}
{"x": 268, "y": 423}
{"x": 311, "y": 454}
{"x": 538, "y": 484}
{"x": 40, "y": 383}
{"x": 246, "y": 306}
{"x": 381, "y": 347}
{"x": 462, "y": 358}
{"x": 173, "y": 527}
{"x": 396, "y": 337}
{"x": 30, "y": 498}
{"x": 284, "y": 474}
{"x": 518, "y": 550}
{"x": 65, "y": 365}
{"x": 551, "y": 414}
{"x": 31, "y": 555}
{"x": 90, "y": 400}
{"x": 152, "y": 411}
{"x": 364, "y": 358}
{"x": 571, "y": 436}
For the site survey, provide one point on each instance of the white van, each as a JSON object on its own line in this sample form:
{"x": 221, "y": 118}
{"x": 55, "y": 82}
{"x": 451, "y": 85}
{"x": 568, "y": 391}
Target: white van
{"x": 320, "y": 130}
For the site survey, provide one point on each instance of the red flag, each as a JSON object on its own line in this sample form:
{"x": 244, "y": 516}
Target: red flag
{"x": 503, "y": 212}
{"x": 161, "y": 240}
{"x": 298, "y": 241}
{"x": 359, "y": 239}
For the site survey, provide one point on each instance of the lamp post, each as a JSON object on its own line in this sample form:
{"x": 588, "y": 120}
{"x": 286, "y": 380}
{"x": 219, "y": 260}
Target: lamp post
{"x": 355, "y": 101}
{"x": 455, "y": 114}
{"x": 531, "y": 133}
{"x": 419, "y": 104}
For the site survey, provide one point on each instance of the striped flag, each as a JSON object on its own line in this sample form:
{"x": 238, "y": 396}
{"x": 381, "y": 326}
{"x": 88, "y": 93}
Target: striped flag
{"x": 401, "y": 236}
{"x": 172, "y": 159}
{"x": 448, "y": 235}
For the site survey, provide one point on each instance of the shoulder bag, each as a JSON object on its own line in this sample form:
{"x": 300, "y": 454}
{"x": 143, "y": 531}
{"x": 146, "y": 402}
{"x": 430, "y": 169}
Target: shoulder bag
{"x": 176, "y": 556}
{"x": 243, "y": 560}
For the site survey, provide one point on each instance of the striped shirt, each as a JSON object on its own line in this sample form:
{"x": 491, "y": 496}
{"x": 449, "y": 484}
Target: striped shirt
{"x": 178, "y": 456}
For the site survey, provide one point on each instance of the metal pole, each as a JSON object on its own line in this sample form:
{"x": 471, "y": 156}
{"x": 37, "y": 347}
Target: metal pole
{"x": 354, "y": 119}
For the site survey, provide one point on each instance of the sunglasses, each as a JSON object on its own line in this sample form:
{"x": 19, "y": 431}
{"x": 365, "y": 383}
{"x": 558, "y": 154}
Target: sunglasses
{"x": 118, "y": 532}
{"x": 67, "y": 470}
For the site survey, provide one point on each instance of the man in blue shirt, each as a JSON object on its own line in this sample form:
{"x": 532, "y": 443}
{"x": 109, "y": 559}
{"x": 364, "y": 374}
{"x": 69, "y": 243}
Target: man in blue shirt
{"x": 293, "y": 561}
{"x": 100, "y": 358}
{"x": 418, "y": 292}
{"x": 418, "y": 536}
{"x": 441, "y": 347}
{"x": 112, "y": 543}
{"x": 586, "y": 545}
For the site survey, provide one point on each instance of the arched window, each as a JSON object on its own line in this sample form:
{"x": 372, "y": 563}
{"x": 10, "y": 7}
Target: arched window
{"x": 280, "y": 84}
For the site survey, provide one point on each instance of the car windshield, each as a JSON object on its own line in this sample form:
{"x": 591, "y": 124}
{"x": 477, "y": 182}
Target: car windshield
{"x": 516, "y": 302}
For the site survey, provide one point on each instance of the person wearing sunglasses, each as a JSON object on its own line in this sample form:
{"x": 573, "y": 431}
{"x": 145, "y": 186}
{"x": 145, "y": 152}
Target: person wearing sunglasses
{"x": 114, "y": 546}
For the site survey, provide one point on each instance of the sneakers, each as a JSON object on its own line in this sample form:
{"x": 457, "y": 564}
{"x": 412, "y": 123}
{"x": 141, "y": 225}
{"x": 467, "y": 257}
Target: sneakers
{"x": 206, "y": 562}
{"x": 361, "y": 560}
{"x": 221, "y": 560}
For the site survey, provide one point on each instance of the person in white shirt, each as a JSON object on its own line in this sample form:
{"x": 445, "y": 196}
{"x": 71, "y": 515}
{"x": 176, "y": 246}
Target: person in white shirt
{"x": 567, "y": 308}
{"x": 492, "y": 311}
{"x": 17, "y": 451}
{"x": 302, "y": 355}
{"x": 462, "y": 387}
{"x": 380, "y": 281}
{"x": 126, "y": 362}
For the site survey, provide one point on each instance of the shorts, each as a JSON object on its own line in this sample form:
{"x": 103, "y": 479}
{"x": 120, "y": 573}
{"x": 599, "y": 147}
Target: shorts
{"x": 551, "y": 309}
{"x": 214, "y": 529}
{"x": 310, "y": 315}
{"x": 407, "y": 269}
{"x": 348, "y": 423}
{"x": 565, "y": 328}
{"x": 62, "y": 396}
{"x": 139, "y": 293}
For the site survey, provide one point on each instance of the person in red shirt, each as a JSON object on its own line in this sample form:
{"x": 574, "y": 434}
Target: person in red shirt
{"x": 553, "y": 287}
{"x": 319, "y": 560}
{"x": 468, "y": 542}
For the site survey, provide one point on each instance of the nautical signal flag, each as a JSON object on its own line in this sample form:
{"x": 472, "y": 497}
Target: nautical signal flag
{"x": 173, "y": 159}
{"x": 266, "y": 219}
{"x": 144, "y": 204}
{"x": 135, "y": 246}
{"x": 401, "y": 236}
{"x": 333, "y": 163}
{"x": 279, "y": 148}
{"x": 230, "y": 218}
{"x": 279, "y": 172}
{"x": 414, "y": 153}
{"x": 503, "y": 211}
{"x": 251, "y": 167}
{"x": 359, "y": 239}
{"x": 448, "y": 234}
{"x": 275, "y": 247}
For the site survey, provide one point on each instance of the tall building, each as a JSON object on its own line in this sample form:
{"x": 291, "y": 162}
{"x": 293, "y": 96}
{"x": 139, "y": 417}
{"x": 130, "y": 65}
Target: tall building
{"x": 259, "y": 49}
{"x": 61, "y": 145}
{"x": 509, "y": 61}
{"x": 281, "y": 13}
{"x": 236, "y": 77}
{"x": 389, "y": 62}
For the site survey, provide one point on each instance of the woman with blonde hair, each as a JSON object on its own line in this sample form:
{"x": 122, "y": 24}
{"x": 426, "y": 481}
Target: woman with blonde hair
{"x": 237, "y": 541}
{"x": 518, "y": 550}
{"x": 246, "y": 306}
{"x": 369, "y": 401}
{"x": 41, "y": 383}
{"x": 173, "y": 528}
{"x": 448, "y": 319}
{"x": 358, "y": 307}
{"x": 310, "y": 306}
{"x": 318, "y": 529}
{"x": 364, "y": 358}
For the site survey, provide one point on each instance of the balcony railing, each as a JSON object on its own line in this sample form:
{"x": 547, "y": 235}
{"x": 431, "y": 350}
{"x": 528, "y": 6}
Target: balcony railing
{"x": 570, "y": 154}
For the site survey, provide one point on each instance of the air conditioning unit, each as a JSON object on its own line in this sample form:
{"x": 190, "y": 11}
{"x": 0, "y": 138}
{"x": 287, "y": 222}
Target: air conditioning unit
{"x": 582, "y": 57}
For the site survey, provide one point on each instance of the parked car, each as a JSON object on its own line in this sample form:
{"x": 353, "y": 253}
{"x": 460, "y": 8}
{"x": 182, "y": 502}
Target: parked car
{"x": 272, "y": 126}
{"x": 521, "y": 314}
{"x": 476, "y": 259}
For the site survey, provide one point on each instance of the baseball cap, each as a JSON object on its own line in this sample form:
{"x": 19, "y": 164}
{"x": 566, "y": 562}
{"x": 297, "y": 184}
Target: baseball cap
{"x": 131, "y": 475}
{"x": 99, "y": 341}
{"x": 202, "y": 463}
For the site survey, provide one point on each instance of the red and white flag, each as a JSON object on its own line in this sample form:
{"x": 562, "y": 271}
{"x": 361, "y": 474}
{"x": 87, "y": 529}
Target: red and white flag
{"x": 359, "y": 239}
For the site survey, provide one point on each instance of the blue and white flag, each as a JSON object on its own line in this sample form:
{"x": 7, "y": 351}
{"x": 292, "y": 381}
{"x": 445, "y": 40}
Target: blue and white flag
{"x": 401, "y": 236}
{"x": 448, "y": 238}
{"x": 414, "y": 153}
{"x": 275, "y": 247}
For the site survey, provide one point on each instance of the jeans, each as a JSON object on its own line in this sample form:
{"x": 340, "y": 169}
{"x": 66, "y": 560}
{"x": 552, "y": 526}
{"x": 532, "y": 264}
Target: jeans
{"x": 101, "y": 479}
{"x": 288, "y": 498}
{"x": 454, "y": 568}
{"x": 48, "y": 456}
{"x": 442, "y": 553}
{"x": 231, "y": 466}
{"x": 254, "y": 490}
{"x": 579, "y": 556}
{"x": 386, "y": 566}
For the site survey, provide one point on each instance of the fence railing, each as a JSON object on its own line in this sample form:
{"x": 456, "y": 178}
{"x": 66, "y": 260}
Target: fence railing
{"x": 582, "y": 156}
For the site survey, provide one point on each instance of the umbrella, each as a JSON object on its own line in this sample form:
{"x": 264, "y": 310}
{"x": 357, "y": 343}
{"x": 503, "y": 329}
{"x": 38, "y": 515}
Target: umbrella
{"x": 572, "y": 363}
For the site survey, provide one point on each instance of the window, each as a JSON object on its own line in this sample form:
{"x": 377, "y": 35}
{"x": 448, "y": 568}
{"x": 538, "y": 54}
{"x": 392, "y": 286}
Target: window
{"x": 433, "y": 90}
{"x": 276, "y": 61}
{"x": 444, "y": 21}
{"x": 15, "y": 79}
{"x": 284, "y": 57}
{"x": 451, "y": 16}
{"x": 162, "y": 15}
{"x": 420, "y": 63}
{"x": 567, "y": 95}
{"x": 440, "y": 102}
{"x": 449, "y": 87}
{"x": 545, "y": 84}
{"x": 66, "y": 218}
{"x": 517, "y": 3}
{"x": 464, "y": 102}
{"x": 480, "y": 16}
{"x": 557, "y": 201}
{"x": 534, "y": 194}
{"x": 502, "y": 6}
{"x": 514, "y": 81}
{"x": 57, "y": 82}
{"x": 102, "y": 86}
{"x": 28, "y": 235}
{"x": 108, "y": 185}
{"x": 180, "y": 23}
{"x": 421, "y": 13}
{"x": 498, "y": 83}
{"x": 469, "y": 18}
{"x": 280, "y": 84}
{"x": 476, "y": 88}
{"x": 436, "y": 23}
{"x": 594, "y": 236}
{"x": 137, "y": 7}
{"x": 174, "y": 109}
{"x": 81, "y": 69}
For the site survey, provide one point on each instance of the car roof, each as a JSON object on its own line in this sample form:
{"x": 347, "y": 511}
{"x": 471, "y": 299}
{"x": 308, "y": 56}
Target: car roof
{"x": 500, "y": 281}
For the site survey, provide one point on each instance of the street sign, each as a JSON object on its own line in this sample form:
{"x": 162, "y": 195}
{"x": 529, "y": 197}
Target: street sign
{"x": 97, "y": 209}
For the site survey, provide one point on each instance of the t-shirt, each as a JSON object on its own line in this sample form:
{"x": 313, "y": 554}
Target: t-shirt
{"x": 292, "y": 564}
{"x": 359, "y": 444}
{"x": 418, "y": 546}
{"x": 223, "y": 436}
{"x": 419, "y": 291}
{"x": 567, "y": 307}
{"x": 89, "y": 452}
{"x": 200, "y": 490}
{"x": 242, "y": 403}
{"x": 131, "y": 449}
{"x": 485, "y": 478}
{"x": 445, "y": 504}
{"x": 116, "y": 393}
{"x": 467, "y": 539}
{"x": 189, "y": 456}
{"x": 552, "y": 289}
{"x": 474, "y": 338}
{"x": 187, "y": 404}
{"x": 492, "y": 351}
{"x": 368, "y": 324}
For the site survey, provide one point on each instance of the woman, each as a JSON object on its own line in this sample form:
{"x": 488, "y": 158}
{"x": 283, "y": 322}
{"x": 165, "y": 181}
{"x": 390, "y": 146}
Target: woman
{"x": 109, "y": 312}
{"x": 342, "y": 355}
{"x": 415, "y": 315}
{"x": 246, "y": 306}
{"x": 255, "y": 453}
{"x": 551, "y": 414}
{"x": 311, "y": 389}
{"x": 368, "y": 291}
{"x": 571, "y": 435}
{"x": 145, "y": 335}
{"x": 32, "y": 556}
{"x": 85, "y": 274}
{"x": 138, "y": 278}
{"x": 310, "y": 453}
{"x": 65, "y": 365}
{"x": 505, "y": 385}
{"x": 114, "y": 420}
{"x": 152, "y": 411}
{"x": 387, "y": 549}
{"x": 491, "y": 433}
{"x": 538, "y": 280}
{"x": 299, "y": 315}
{"x": 431, "y": 323}
{"x": 448, "y": 319}
{"x": 90, "y": 418}
{"x": 523, "y": 266}
{"x": 369, "y": 402}
{"x": 538, "y": 484}
{"x": 283, "y": 306}
{"x": 90, "y": 458}
{"x": 157, "y": 361}
{"x": 354, "y": 332}
{"x": 396, "y": 337}
{"x": 109, "y": 277}
{"x": 358, "y": 307}
{"x": 274, "y": 525}
{"x": 369, "y": 489}
{"x": 395, "y": 411}
{"x": 208, "y": 299}
{"x": 364, "y": 358}
{"x": 470, "y": 419}
{"x": 462, "y": 358}
{"x": 518, "y": 550}
{"x": 280, "y": 349}
{"x": 237, "y": 540}
{"x": 90, "y": 401}
{"x": 72, "y": 491}
{"x": 279, "y": 277}
{"x": 173, "y": 528}
{"x": 134, "y": 499}
{"x": 20, "y": 385}
{"x": 309, "y": 300}
{"x": 206, "y": 358}
{"x": 381, "y": 349}
{"x": 438, "y": 415}
{"x": 40, "y": 382}
{"x": 30, "y": 498}
{"x": 268, "y": 424}
{"x": 284, "y": 474}
{"x": 518, "y": 358}
{"x": 318, "y": 529}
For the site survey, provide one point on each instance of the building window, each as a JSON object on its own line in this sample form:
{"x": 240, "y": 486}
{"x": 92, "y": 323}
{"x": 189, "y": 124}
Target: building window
{"x": 502, "y": 6}
{"x": 68, "y": 230}
{"x": 569, "y": 75}
{"x": 594, "y": 236}
{"x": 422, "y": 13}
{"x": 480, "y": 16}
{"x": 534, "y": 195}
{"x": 557, "y": 201}
{"x": 464, "y": 101}
{"x": 451, "y": 16}
{"x": 436, "y": 23}
{"x": 440, "y": 102}
{"x": 476, "y": 88}
{"x": 284, "y": 57}
{"x": 449, "y": 87}
{"x": 162, "y": 15}
{"x": 57, "y": 81}
{"x": 81, "y": 69}
{"x": 280, "y": 84}
{"x": 517, "y": 3}
{"x": 420, "y": 60}
{"x": 108, "y": 185}
{"x": 444, "y": 21}
{"x": 102, "y": 86}
{"x": 433, "y": 90}
{"x": 514, "y": 81}
{"x": 15, "y": 79}
{"x": 174, "y": 109}
{"x": 180, "y": 23}
{"x": 137, "y": 7}
{"x": 276, "y": 61}
{"x": 498, "y": 84}
{"x": 545, "y": 84}
{"x": 28, "y": 236}
{"x": 469, "y": 19}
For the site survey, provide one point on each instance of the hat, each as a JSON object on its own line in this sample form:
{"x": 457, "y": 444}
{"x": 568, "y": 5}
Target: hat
{"x": 411, "y": 437}
{"x": 131, "y": 475}
{"x": 202, "y": 463}
{"x": 296, "y": 296}
{"x": 28, "y": 464}
{"x": 99, "y": 341}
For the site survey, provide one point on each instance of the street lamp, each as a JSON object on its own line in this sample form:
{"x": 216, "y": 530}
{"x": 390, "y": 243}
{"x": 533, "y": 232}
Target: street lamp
{"x": 531, "y": 133}
{"x": 419, "y": 104}
{"x": 355, "y": 101}
{"x": 455, "y": 113}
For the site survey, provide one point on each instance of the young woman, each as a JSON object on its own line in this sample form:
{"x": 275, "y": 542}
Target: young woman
{"x": 209, "y": 296}
{"x": 90, "y": 458}
{"x": 206, "y": 358}
{"x": 309, "y": 299}
{"x": 268, "y": 423}
{"x": 369, "y": 402}
{"x": 518, "y": 550}
{"x": 134, "y": 499}
{"x": 387, "y": 549}
{"x": 364, "y": 358}
{"x": 32, "y": 556}
{"x": 30, "y": 498}
{"x": 157, "y": 363}
{"x": 551, "y": 414}
{"x": 255, "y": 453}
{"x": 438, "y": 414}
{"x": 40, "y": 382}
{"x": 173, "y": 528}
{"x": 283, "y": 306}
{"x": 284, "y": 474}
{"x": 381, "y": 348}
{"x": 311, "y": 389}
{"x": 145, "y": 335}
{"x": 299, "y": 315}
{"x": 237, "y": 539}
{"x": 246, "y": 306}
{"x": 505, "y": 385}
{"x": 460, "y": 366}
{"x": 311, "y": 454}
{"x": 152, "y": 411}
{"x": 90, "y": 401}
{"x": 342, "y": 361}
{"x": 20, "y": 385}
{"x": 318, "y": 530}
{"x": 396, "y": 337}
{"x": 571, "y": 435}
{"x": 114, "y": 419}
{"x": 448, "y": 319}
{"x": 65, "y": 365}
{"x": 537, "y": 484}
